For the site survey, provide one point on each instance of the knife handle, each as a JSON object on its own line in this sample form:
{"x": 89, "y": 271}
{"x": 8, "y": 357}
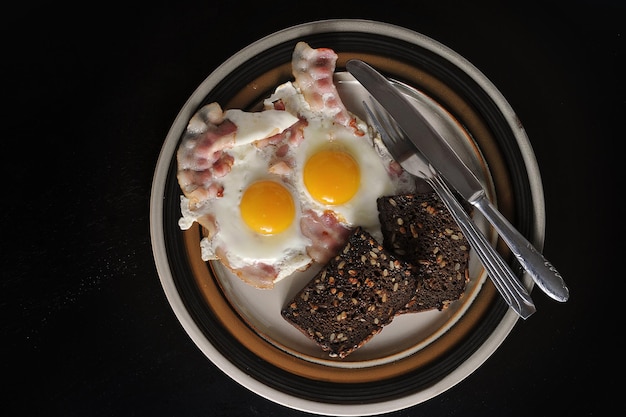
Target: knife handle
{"x": 541, "y": 270}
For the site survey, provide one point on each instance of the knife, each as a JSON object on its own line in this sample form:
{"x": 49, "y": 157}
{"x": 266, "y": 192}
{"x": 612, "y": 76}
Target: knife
{"x": 445, "y": 160}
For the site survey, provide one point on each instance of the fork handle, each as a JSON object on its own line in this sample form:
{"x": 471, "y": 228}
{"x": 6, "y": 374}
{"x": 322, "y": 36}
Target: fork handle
{"x": 542, "y": 272}
{"x": 501, "y": 274}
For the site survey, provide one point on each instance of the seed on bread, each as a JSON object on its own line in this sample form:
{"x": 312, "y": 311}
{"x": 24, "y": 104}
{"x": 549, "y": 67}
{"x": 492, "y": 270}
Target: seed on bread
{"x": 353, "y": 297}
{"x": 419, "y": 229}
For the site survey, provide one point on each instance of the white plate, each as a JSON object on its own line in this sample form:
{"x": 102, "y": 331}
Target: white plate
{"x": 407, "y": 333}
{"x": 239, "y": 328}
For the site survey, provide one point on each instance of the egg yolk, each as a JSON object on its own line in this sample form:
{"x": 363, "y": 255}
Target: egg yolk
{"x": 332, "y": 176}
{"x": 267, "y": 207}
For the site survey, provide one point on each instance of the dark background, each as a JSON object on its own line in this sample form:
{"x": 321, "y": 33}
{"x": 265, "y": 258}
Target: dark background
{"x": 89, "y": 94}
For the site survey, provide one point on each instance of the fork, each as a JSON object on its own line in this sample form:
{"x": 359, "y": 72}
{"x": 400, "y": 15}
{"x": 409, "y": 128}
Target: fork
{"x": 405, "y": 153}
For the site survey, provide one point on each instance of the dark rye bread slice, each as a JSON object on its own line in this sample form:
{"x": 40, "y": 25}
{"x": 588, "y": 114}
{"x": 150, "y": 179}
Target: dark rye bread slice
{"x": 353, "y": 297}
{"x": 419, "y": 229}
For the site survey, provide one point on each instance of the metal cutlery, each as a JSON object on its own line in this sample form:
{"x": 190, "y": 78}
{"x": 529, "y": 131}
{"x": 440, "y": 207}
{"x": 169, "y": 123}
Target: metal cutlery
{"x": 445, "y": 160}
{"x": 405, "y": 153}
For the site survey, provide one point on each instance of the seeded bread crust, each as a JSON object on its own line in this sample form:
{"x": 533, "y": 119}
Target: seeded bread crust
{"x": 419, "y": 229}
{"x": 353, "y": 297}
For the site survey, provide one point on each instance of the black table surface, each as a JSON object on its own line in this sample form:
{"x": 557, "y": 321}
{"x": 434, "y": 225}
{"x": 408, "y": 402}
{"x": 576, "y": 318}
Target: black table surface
{"x": 92, "y": 92}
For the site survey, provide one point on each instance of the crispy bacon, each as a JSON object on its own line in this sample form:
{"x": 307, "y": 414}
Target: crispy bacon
{"x": 258, "y": 274}
{"x": 313, "y": 71}
{"x": 395, "y": 168}
{"x": 327, "y": 235}
{"x": 201, "y": 157}
{"x": 279, "y": 105}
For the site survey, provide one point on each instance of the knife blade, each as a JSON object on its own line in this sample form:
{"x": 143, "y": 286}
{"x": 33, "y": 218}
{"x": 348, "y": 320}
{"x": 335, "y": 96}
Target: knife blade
{"x": 445, "y": 160}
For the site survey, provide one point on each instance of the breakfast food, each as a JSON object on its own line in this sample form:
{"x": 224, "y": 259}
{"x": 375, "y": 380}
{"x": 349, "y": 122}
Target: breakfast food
{"x": 305, "y": 181}
{"x": 353, "y": 297}
{"x": 279, "y": 189}
{"x": 420, "y": 230}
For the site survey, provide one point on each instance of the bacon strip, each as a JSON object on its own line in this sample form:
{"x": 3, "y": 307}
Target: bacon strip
{"x": 258, "y": 274}
{"x": 313, "y": 71}
{"x": 327, "y": 235}
{"x": 200, "y": 157}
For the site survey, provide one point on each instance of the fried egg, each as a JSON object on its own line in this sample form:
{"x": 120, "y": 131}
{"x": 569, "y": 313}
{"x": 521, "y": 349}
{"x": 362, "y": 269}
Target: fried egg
{"x": 343, "y": 173}
{"x": 254, "y": 221}
{"x": 342, "y": 169}
{"x": 258, "y": 217}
